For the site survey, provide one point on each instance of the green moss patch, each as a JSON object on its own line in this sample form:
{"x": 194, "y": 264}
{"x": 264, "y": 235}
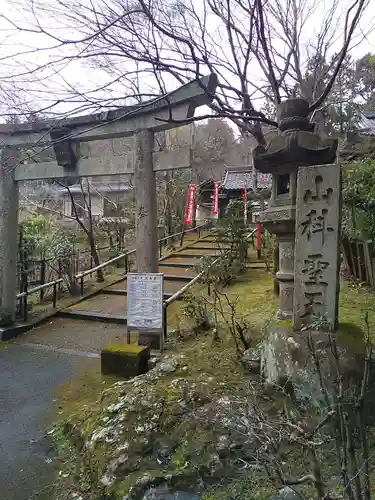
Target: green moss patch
{"x": 125, "y": 349}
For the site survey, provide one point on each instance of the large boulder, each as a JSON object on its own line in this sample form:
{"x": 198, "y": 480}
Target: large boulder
{"x": 290, "y": 360}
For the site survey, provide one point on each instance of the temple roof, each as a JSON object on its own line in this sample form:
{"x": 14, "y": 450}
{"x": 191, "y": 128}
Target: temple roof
{"x": 366, "y": 123}
{"x": 236, "y": 177}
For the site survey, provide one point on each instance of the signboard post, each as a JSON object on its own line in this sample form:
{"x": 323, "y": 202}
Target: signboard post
{"x": 145, "y": 308}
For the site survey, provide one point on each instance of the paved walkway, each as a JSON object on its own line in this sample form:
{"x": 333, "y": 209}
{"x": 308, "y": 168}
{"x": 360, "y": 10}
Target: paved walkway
{"x": 29, "y": 381}
{"x": 35, "y": 365}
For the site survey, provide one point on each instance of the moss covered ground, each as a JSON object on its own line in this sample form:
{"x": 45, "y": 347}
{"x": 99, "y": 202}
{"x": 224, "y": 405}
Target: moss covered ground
{"x": 115, "y": 438}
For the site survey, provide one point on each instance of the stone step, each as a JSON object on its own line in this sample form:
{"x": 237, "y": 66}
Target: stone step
{"x": 119, "y": 319}
{"x": 177, "y": 277}
{"x": 195, "y": 255}
{"x": 205, "y": 247}
{"x": 182, "y": 265}
{"x": 183, "y": 274}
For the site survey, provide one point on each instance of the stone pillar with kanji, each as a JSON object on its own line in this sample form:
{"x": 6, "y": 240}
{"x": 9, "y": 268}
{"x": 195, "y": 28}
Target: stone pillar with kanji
{"x": 316, "y": 266}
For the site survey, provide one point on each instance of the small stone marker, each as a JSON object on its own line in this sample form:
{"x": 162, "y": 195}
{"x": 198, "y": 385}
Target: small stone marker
{"x": 316, "y": 264}
{"x": 145, "y": 308}
{"x": 124, "y": 360}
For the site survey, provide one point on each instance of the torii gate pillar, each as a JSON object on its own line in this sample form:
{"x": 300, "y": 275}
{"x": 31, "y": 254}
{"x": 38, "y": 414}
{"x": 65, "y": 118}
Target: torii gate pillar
{"x": 8, "y": 235}
{"x": 145, "y": 192}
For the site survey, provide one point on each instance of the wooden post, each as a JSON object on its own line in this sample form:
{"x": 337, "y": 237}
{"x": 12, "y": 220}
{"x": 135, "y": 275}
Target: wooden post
{"x": 145, "y": 195}
{"x": 42, "y": 277}
{"x": 359, "y": 261}
{"x": 352, "y": 259}
{"x": 345, "y": 256}
{"x": 367, "y": 254}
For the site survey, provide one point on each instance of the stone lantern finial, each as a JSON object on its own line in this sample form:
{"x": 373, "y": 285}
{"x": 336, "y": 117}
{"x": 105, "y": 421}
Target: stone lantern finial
{"x": 297, "y": 145}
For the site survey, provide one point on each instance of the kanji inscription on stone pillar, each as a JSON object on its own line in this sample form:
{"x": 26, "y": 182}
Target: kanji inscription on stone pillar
{"x": 316, "y": 264}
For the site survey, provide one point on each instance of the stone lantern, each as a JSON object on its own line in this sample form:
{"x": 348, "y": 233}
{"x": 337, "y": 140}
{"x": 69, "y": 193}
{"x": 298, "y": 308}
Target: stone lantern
{"x": 295, "y": 145}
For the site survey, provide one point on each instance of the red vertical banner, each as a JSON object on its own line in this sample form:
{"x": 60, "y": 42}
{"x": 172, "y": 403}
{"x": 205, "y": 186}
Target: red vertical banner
{"x": 215, "y": 207}
{"x": 244, "y": 192}
{"x": 189, "y": 213}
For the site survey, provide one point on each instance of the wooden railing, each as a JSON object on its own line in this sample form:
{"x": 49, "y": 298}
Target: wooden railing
{"x": 22, "y": 297}
{"x": 81, "y": 276}
{"x": 125, "y": 255}
{"x": 359, "y": 259}
{"x": 182, "y": 234}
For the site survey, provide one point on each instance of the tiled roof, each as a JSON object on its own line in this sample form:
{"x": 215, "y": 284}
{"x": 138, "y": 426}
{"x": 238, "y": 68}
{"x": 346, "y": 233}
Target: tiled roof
{"x": 236, "y": 177}
{"x": 366, "y": 123}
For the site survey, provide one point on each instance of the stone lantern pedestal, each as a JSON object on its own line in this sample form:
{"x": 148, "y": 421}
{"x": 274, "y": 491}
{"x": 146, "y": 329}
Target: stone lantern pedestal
{"x": 279, "y": 219}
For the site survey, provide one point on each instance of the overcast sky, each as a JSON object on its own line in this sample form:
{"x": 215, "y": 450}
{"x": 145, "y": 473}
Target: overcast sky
{"x": 52, "y": 85}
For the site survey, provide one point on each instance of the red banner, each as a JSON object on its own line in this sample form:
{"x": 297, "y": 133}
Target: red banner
{"x": 244, "y": 192}
{"x": 190, "y": 205}
{"x": 215, "y": 208}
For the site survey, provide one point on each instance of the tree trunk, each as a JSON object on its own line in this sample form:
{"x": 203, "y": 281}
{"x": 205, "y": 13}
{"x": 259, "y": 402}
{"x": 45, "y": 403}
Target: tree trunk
{"x": 96, "y": 259}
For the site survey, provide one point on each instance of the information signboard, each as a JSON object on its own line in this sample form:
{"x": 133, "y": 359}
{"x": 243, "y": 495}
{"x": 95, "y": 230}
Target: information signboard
{"x": 145, "y": 301}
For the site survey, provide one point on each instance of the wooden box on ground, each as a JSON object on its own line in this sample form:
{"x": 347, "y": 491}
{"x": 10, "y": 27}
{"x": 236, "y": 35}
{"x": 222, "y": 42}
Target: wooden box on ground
{"x": 125, "y": 360}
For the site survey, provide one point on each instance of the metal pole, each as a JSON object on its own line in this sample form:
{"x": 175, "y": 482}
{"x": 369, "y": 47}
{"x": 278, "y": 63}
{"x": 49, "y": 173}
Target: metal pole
{"x": 42, "y": 277}
{"x": 60, "y": 275}
{"x": 25, "y": 287}
{"x": 82, "y": 289}
{"x": 25, "y": 311}
{"x": 165, "y": 319}
{"x": 54, "y": 295}
{"x": 259, "y": 241}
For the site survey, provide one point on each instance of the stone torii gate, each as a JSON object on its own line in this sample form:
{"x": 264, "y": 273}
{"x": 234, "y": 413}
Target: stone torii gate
{"x": 69, "y": 144}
